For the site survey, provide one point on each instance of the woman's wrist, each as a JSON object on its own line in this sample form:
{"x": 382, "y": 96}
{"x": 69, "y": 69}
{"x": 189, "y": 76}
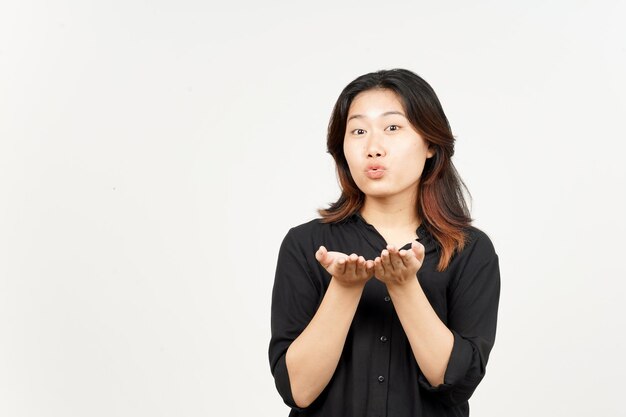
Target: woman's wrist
{"x": 402, "y": 287}
{"x": 348, "y": 287}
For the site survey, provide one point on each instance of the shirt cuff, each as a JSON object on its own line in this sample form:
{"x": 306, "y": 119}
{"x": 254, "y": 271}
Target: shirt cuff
{"x": 459, "y": 378}
{"x": 283, "y": 385}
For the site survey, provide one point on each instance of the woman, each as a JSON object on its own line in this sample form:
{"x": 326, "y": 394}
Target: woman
{"x": 387, "y": 305}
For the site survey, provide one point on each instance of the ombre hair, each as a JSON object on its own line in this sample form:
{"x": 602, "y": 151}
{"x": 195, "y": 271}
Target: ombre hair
{"x": 440, "y": 201}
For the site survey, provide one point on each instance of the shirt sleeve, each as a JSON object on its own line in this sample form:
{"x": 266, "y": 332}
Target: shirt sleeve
{"x": 295, "y": 298}
{"x": 472, "y": 316}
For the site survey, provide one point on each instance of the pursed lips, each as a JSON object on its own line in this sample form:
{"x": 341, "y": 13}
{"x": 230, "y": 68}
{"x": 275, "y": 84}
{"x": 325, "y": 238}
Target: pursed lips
{"x": 375, "y": 168}
{"x": 375, "y": 171}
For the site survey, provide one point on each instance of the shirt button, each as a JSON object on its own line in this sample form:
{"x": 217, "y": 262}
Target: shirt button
{"x": 381, "y": 379}
{"x": 383, "y": 339}
{"x": 387, "y": 298}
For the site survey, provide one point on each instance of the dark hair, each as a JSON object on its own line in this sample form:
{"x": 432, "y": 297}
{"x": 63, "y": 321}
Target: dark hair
{"x": 440, "y": 203}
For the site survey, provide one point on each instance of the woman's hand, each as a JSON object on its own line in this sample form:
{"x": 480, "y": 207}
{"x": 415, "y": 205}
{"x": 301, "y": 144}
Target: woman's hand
{"x": 348, "y": 271}
{"x": 395, "y": 267}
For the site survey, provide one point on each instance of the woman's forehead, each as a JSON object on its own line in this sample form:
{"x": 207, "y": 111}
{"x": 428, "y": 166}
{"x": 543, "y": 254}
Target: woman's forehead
{"x": 375, "y": 103}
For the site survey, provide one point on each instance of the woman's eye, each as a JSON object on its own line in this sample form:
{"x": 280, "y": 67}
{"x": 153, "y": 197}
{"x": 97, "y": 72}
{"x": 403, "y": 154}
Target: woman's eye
{"x": 358, "y": 132}
{"x": 393, "y": 127}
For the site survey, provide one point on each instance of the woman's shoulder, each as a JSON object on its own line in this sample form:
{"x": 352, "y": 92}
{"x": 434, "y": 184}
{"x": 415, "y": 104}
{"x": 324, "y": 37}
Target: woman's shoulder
{"x": 308, "y": 226}
{"x": 315, "y": 232}
{"x": 305, "y": 232}
{"x": 478, "y": 244}
{"x": 317, "y": 225}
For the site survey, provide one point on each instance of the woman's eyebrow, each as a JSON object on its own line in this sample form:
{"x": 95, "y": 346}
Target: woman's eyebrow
{"x": 387, "y": 113}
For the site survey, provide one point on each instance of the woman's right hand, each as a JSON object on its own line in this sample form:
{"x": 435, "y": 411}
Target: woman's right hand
{"x": 349, "y": 271}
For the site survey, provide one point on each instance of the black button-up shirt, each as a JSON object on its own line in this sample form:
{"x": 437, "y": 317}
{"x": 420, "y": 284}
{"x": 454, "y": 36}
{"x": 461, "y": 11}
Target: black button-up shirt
{"x": 377, "y": 374}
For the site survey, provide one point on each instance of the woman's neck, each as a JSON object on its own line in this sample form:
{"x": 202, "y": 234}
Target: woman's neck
{"x": 390, "y": 214}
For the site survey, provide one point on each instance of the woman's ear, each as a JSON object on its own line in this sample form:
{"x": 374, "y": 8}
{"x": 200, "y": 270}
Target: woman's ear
{"x": 430, "y": 152}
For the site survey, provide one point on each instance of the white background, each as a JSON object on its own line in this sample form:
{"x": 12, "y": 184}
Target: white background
{"x": 154, "y": 154}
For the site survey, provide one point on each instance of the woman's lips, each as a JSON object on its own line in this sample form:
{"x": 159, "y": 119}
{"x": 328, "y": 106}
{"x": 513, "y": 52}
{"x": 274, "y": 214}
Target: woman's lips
{"x": 375, "y": 173}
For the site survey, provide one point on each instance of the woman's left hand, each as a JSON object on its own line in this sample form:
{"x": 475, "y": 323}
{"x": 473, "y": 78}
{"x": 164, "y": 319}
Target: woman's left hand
{"x": 395, "y": 267}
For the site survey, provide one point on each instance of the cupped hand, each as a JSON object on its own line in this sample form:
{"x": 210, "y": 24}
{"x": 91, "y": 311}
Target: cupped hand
{"x": 348, "y": 270}
{"x": 398, "y": 267}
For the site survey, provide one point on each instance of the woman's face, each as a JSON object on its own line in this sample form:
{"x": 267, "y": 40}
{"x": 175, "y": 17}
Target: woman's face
{"x": 385, "y": 154}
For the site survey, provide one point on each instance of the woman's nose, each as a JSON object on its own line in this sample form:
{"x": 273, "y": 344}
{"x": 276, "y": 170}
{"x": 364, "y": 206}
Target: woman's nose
{"x": 374, "y": 147}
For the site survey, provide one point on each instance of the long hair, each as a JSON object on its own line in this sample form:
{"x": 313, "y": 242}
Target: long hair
{"x": 440, "y": 201}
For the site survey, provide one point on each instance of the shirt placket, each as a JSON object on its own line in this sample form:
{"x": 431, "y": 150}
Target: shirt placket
{"x": 380, "y": 371}
{"x": 380, "y": 376}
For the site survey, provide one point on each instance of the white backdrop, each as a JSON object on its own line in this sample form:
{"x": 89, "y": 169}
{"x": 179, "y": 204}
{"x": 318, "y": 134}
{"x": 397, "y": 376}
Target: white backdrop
{"x": 154, "y": 154}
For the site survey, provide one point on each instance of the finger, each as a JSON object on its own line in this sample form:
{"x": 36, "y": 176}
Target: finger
{"x": 369, "y": 267}
{"x": 340, "y": 268}
{"x": 321, "y": 252}
{"x": 404, "y": 257}
{"x": 418, "y": 250}
{"x": 321, "y": 256}
{"x": 394, "y": 257}
{"x": 410, "y": 261}
{"x": 386, "y": 260}
{"x": 360, "y": 266}
{"x": 379, "y": 270}
{"x": 351, "y": 264}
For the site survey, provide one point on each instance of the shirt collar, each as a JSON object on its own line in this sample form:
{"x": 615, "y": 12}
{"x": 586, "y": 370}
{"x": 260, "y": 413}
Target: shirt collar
{"x": 422, "y": 233}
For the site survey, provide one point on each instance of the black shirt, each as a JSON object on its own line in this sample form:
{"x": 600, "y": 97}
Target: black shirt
{"x": 377, "y": 374}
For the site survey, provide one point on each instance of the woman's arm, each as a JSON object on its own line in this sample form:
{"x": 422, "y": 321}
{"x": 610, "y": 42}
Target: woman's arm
{"x": 313, "y": 356}
{"x": 452, "y": 357}
{"x": 431, "y": 341}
